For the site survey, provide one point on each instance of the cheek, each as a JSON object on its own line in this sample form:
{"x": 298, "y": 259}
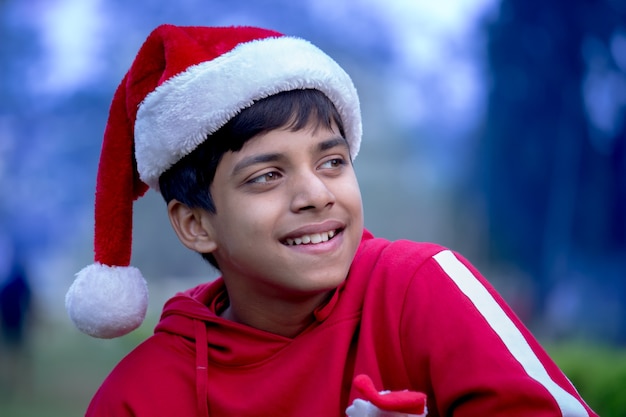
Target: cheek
{"x": 257, "y": 216}
{"x": 351, "y": 194}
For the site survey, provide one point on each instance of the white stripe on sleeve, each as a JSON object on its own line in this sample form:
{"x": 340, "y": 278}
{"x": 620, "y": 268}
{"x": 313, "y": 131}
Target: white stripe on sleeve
{"x": 507, "y": 331}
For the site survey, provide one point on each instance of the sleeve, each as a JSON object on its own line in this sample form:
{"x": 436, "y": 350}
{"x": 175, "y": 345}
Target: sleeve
{"x": 480, "y": 359}
{"x": 155, "y": 379}
{"x": 108, "y": 402}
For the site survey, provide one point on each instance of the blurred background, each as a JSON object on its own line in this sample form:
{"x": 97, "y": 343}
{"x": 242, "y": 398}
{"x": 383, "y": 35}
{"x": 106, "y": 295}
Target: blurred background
{"x": 494, "y": 127}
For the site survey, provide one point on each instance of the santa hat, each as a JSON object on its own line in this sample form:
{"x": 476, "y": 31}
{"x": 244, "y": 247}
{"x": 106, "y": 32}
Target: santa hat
{"x": 184, "y": 84}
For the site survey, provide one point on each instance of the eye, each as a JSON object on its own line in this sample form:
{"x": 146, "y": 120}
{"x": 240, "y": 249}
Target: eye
{"x": 333, "y": 163}
{"x": 265, "y": 178}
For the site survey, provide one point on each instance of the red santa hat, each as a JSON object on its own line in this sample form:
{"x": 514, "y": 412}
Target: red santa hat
{"x": 184, "y": 84}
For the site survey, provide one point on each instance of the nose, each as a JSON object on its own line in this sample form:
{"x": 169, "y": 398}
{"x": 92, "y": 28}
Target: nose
{"x": 310, "y": 192}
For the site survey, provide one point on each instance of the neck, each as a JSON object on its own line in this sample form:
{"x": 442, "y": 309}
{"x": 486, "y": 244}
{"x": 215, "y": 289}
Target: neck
{"x": 284, "y": 318}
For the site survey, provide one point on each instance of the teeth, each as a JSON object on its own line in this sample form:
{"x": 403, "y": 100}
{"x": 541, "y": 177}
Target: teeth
{"x": 311, "y": 239}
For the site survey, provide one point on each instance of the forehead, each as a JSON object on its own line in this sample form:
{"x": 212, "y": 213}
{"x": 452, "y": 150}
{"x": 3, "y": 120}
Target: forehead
{"x": 311, "y": 137}
{"x": 282, "y": 145}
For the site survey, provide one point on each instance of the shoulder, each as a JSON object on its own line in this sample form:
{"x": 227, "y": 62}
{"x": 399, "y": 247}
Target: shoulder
{"x": 388, "y": 269}
{"x": 158, "y": 365}
{"x": 126, "y": 373}
{"x": 410, "y": 270}
{"x": 384, "y": 254}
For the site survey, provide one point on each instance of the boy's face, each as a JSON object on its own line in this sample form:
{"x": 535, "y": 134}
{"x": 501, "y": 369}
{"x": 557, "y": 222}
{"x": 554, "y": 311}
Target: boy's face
{"x": 280, "y": 190}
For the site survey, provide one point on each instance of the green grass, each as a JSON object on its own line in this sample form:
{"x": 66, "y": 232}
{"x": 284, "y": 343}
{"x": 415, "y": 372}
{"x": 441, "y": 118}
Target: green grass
{"x": 597, "y": 372}
{"x": 59, "y": 373}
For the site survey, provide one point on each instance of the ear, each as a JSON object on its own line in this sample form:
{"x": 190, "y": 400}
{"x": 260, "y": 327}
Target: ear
{"x": 192, "y": 227}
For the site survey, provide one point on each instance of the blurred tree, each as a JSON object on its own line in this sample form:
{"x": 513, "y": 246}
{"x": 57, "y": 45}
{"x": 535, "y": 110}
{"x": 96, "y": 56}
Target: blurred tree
{"x": 552, "y": 159}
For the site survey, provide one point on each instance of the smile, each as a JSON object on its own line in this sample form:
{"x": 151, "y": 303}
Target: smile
{"x": 311, "y": 239}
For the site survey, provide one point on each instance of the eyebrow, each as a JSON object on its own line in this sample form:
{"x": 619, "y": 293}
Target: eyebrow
{"x": 255, "y": 159}
{"x": 274, "y": 157}
{"x": 332, "y": 143}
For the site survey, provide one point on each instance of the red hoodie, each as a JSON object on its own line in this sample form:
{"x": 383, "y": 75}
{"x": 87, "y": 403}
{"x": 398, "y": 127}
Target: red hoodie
{"x": 409, "y": 315}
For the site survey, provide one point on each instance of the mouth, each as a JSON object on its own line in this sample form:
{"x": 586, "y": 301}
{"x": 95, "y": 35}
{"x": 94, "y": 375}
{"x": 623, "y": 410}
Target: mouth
{"x": 312, "y": 239}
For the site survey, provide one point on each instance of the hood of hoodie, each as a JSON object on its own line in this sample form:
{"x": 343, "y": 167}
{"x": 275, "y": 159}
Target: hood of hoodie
{"x": 194, "y": 315}
{"x": 196, "y": 311}
{"x": 227, "y": 342}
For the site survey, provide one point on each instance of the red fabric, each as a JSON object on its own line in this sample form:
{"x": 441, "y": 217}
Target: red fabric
{"x": 117, "y": 186}
{"x": 398, "y": 319}
{"x": 404, "y": 401}
{"x": 168, "y": 51}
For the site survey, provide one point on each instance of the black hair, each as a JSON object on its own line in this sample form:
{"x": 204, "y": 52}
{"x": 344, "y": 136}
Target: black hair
{"x": 190, "y": 179}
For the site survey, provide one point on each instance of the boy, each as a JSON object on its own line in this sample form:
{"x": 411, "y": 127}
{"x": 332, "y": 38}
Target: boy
{"x": 250, "y": 135}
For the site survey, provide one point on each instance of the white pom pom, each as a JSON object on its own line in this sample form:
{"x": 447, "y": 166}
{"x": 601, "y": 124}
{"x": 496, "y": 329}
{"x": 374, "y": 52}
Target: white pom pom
{"x": 361, "y": 408}
{"x": 107, "y": 301}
